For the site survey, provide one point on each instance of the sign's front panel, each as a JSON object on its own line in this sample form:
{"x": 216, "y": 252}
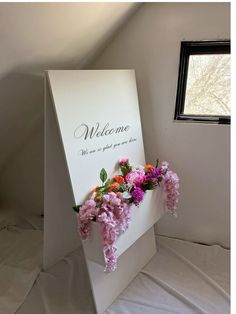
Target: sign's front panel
{"x": 99, "y": 120}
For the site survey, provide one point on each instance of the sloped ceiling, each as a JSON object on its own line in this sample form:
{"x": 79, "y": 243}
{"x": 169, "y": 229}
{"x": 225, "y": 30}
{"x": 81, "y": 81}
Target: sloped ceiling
{"x": 39, "y": 36}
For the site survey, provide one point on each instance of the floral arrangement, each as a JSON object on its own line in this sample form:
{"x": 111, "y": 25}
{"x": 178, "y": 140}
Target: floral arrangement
{"x": 110, "y": 203}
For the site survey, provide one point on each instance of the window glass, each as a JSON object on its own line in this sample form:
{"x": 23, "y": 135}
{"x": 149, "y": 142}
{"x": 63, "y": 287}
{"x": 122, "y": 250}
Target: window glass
{"x": 208, "y": 85}
{"x": 203, "y": 89}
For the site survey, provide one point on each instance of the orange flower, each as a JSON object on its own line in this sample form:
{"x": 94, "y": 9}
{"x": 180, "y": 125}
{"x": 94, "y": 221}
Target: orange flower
{"x": 118, "y": 193}
{"x": 119, "y": 179}
{"x": 114, "y": 186}
{"x": 148, "y": 168}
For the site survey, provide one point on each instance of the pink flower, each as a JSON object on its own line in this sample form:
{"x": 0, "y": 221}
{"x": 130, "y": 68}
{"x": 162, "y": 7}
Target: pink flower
{"x": 123, "y": 161}
{"x": 111, "y": 259}
{"x": 84, "y": 230}
{"x": 137, "y": 195}
{"x": 164, "y": 166}
{"x": 88, "y": 211}
{"x": 135, "y": 177}
{"x": 171, "y": 190}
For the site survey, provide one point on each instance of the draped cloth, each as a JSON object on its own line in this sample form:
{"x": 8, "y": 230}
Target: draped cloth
{"x": 182, "y": 277}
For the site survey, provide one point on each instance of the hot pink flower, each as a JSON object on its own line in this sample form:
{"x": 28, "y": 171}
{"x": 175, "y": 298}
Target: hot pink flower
{"x": 137, "y": 195}
{"x": 135, "y": 177}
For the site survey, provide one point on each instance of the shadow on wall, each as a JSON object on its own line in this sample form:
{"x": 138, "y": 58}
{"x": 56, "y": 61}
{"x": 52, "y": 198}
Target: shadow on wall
{"x": 21, "y": 159}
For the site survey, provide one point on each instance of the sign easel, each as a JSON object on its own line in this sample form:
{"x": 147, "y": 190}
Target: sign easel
{"x": 92, "y": 120}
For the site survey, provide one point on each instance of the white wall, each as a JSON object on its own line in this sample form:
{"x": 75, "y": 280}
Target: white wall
{"x": 200, "y": 154}
{"x": 22, "y": 178}
{"x": 36, "y": 37}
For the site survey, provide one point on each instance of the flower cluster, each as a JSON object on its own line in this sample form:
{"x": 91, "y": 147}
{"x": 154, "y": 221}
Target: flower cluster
{"x": 110, "y": 203}
{"x": 171, "y": 190}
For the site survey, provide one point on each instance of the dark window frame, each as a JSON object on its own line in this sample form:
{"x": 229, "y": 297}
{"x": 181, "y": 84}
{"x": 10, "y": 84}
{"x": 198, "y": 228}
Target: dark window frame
{"x": 197, "y": 48}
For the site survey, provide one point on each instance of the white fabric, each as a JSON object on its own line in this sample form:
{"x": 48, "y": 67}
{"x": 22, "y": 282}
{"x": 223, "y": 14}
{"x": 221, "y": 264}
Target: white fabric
{"x": 20, "y": 261}
{"x": 63, "y": 289}
{"x": 182, "y": 277}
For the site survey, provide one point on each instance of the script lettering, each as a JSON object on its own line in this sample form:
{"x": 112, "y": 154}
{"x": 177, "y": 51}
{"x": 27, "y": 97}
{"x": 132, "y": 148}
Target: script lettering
{"x": 85, "y": 132}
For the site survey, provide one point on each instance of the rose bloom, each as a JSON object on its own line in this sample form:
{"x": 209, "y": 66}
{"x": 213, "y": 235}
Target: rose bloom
{"x": 135, "y": 177}
{"x": 123, "y": 161}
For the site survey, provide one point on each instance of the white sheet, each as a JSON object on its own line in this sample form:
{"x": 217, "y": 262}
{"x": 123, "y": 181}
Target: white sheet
{"x": 182, "y": 277}
{"x": 20, "y": 261}
{"x": 63, "y": 289}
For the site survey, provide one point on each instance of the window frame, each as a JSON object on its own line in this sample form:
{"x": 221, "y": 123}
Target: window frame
{"x": 197, "y": 48}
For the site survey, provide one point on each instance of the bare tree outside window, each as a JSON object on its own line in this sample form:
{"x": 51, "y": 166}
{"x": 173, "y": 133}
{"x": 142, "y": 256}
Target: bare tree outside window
{"x": 208, "y": 85}
{"x": 203, "y": 89}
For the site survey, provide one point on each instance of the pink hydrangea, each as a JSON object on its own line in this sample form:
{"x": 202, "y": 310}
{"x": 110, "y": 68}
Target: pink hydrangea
{"x": 135, "y": 177}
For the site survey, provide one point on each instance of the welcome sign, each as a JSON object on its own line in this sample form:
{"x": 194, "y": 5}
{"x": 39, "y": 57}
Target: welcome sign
{"x": 92, "y": 121}
{"x": 99, "y": 120}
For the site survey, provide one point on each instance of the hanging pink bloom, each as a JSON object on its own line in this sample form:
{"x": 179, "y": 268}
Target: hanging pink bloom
{"x": 164, "y": 166}
{"x": 88, "y": 210}
{"x": 111, "y": 259}
{"x": 171, "y": 190}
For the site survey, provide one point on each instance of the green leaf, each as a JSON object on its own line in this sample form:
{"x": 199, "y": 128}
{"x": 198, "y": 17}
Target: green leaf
{"x": 76, "y": 208}
{"x": 99, "y": 195}
{"x": 129, "y": 167}
{"x": 148, "y": 185}
{"x": 125, "y": 169}
{"x": 107, "y": 183}
{"x": 157, "y": 162}
{"x": 103, "y": 175}
{"x": 100, "y": 188}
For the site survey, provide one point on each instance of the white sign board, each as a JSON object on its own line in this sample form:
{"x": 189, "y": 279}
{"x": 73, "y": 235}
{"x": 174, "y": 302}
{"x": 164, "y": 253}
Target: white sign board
{"x": 98, "y": 120}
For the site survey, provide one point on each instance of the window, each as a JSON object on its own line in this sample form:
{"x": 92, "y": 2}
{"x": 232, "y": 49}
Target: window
{"x": 203, "y": 92}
